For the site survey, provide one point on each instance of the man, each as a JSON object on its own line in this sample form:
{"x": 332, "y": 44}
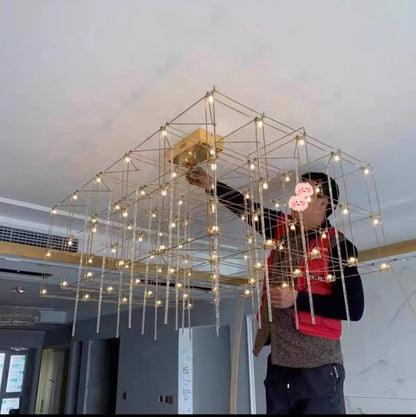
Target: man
{"x": 305, "y": 373}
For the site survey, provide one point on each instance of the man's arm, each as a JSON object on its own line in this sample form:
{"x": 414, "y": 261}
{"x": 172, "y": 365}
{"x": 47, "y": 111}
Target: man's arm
{"x": 333, "y": 306}
{"x": 234, "y": 201}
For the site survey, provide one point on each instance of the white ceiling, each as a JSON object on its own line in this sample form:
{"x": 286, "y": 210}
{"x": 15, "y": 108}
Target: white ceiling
{"x": 83, "y": 82}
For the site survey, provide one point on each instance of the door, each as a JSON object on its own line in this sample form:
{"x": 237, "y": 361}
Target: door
{"x": 101, "y": 377}
{"x": 52, "y": 381}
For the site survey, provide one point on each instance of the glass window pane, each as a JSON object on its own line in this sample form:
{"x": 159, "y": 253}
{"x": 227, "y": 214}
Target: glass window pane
{"x": 16, "y": 371}
{"x": 8, "y": 404}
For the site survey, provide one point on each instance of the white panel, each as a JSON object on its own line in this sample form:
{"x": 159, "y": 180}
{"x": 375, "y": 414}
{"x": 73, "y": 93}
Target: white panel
{"x": 185, "y": 381}
{"x": 16, "y": 372}
{"x": 8, "y": 404}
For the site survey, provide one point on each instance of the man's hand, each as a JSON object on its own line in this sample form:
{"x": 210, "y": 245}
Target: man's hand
{"x": 197, "y": 176}
{"x": 282, "y": 297}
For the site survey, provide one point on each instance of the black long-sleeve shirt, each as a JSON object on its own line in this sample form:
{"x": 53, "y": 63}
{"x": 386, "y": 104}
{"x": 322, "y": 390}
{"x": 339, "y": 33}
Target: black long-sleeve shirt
{"x": 330, "y": 306}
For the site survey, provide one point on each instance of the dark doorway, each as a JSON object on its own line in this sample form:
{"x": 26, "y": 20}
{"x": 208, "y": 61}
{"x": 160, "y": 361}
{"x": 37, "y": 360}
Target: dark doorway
{"x": 101, "y": 377}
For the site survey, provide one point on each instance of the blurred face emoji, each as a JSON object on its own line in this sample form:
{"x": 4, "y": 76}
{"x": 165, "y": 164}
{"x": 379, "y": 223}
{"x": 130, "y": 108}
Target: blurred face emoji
{"x": 297, "y": 203}
{"x": 304, "y": 189}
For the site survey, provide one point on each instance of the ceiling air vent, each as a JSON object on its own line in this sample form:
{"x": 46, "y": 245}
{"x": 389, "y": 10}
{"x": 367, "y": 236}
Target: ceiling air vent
{"x": 42, "y": 240}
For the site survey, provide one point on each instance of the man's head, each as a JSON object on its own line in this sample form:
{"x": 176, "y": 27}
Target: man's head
{"x": 319, "y": 206}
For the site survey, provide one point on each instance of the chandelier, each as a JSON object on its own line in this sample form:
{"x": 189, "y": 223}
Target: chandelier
{"x": 150, "y": 240}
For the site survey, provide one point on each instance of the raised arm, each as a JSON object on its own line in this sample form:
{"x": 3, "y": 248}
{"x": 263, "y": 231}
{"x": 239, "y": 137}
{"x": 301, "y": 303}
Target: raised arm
{"x": 234, "y": 201}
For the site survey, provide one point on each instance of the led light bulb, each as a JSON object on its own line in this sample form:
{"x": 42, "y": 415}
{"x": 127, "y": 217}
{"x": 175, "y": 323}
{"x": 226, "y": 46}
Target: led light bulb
{"x": 142, "y": 191}
{"x": 153, "y": 214}
{"x": 259, "y": 123}
{"x": 252, "y": 165}
{"x": 243, "y": 217}
{"x": 75, "y": 195}
{"x": 127, "y": 157}
{"x": 180, "y": 202}
{"x": 189, "y": 306}
{"x": 124, "y": 300}
{"x": 292, "y": 226}
{"x": 120, "y": 262}
{"x": 69, "y": 241}
{"x": 117, "y": 206}
{"x": 149, "y": 293}
{"x": 185, "y": 296}
{"x": 89, "y": 275}
{"x": 98, "y": 178}
{"x": 297, "y": 272}
{"x": 174, "y": 174}
{"x": 352, "y": 261}
{"x": 129, "y": 226}
{"x": 179, "y": 285}
{"x": 323, "y": 235}
{"x": 158, "y": 303}
{"x": 94, "y": 229}
{"x": 125, "y": 213}
{"x": 330, "y": 278}
{"x": 252, "y": 281}
{"x": 86, "y": 297}
{"x": 285, "y": 285}
{"x": 245, "y": 257}
{"x": 301, "y": 141}
{"x": 318, "y": 189}
{"x": 137, "y": 281}
{"x": 48, "y": 253}
{"x": 366, "y": 170}
{"x": 90, "y": 260}
{"x": 44, "y": 291}
{"x": 189, "y": 274}
{"x": 256, "y": 217}
{"x": 213, "y": 166}
{"x": 210, "y": 98}
{"x": 384, "y": 266}
{"x": 164, "y": 192}
{"x": 64, "y": 284}
{"x": 258, "y": 266}
{"x": 172, "y": 270}
{"x": 110, "y": 289}
{"x": 247, "y": 292}
{"x": 287, "y": 177}
{"x": 276, "y": 204}
{"x": 247, "y": 195}
{"x": 265, "y": 185}
{"x": 336, "y": 156}
{"x": 54, "y": 210}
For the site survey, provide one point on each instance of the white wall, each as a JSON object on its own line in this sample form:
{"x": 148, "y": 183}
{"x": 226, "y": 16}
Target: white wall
{"x": 379, "y": 350}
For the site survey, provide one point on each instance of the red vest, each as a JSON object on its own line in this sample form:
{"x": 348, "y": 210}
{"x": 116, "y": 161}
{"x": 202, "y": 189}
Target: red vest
{"x": 323, "y": 327}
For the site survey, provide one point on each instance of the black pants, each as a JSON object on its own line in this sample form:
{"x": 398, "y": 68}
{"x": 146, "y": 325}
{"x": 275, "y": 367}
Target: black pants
{"x": 305, "y": 391}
